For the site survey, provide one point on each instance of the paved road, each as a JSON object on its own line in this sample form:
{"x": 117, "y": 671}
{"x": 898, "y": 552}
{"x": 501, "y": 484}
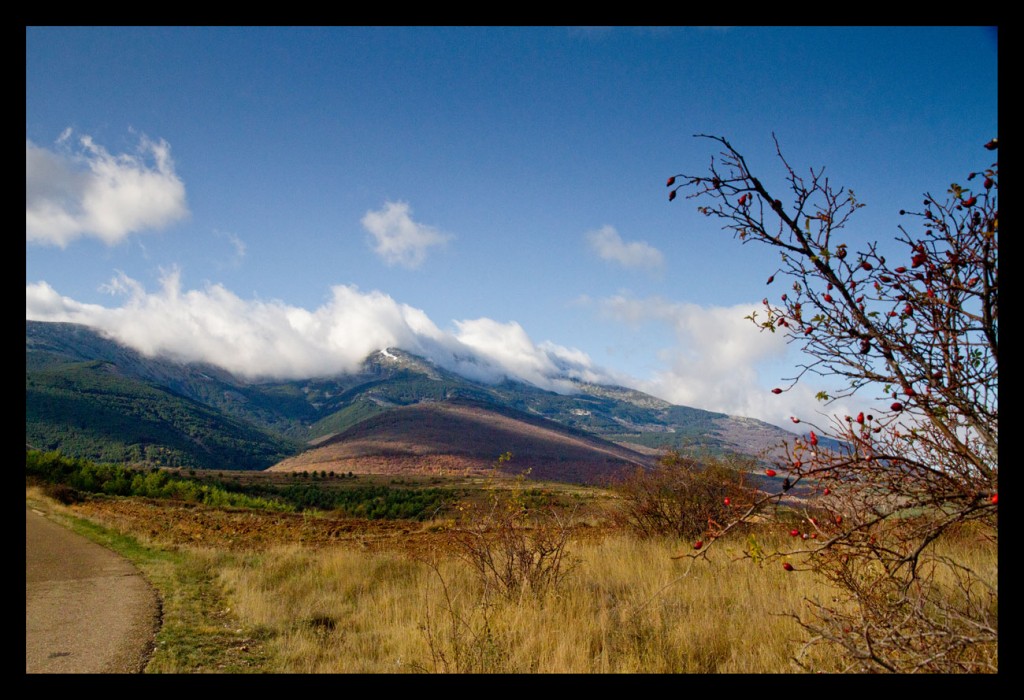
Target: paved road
{"x": 87, "y": 609}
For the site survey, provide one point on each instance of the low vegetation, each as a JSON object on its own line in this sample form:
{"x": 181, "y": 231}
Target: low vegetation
{"x": 517, "y": 577}
{"x": 682, "y": 494}
{"x": 67, "y": 479}
{"x": 625, "y": 607}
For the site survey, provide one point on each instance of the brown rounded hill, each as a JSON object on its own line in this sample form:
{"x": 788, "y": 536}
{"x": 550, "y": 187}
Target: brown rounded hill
{"x": 449, "y": 438}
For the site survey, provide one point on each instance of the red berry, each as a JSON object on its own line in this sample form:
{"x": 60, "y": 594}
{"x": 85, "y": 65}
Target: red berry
{"x": 988, "y": 183}
{"x": 995, "y": 499}
{"x": 794, "y": 533}
{"x": 839, "y": 520}
{"x": 970, "y": 202}
{"x": 794, "y": 419}
{"x": 827, "y": 491}
{"x": 726, "y": 501}
{"x": 860, "y": 417}
{"x": 770, "y": 279}
{"x": 900, "y": 269}
{"x": 769, "y": 472}
{"x": 671, "y": 195}
{"x": 698, "y": 544}
{"x": 865, "y": 264}
{"x": 828, "y": 298}
{"x": 671, "y": 181}
{"x": 787, "y": 566}
{"x": 814, "y": 438}
{"x": 776, "y": 390}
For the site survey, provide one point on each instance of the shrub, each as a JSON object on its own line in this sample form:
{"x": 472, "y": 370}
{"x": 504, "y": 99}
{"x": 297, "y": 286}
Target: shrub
{"x": 513, "y": 548}
{"x": 682, "y": 496}
{"x": 62, "y": 493}
{"x": 918, "y": 331}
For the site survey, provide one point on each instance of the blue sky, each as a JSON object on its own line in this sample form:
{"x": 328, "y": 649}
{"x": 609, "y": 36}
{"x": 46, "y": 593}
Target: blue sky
{"x": 283, "y": 201}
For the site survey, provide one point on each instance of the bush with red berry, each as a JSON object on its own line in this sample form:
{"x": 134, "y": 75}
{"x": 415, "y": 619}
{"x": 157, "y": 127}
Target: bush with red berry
{"x": 913, "y": 339}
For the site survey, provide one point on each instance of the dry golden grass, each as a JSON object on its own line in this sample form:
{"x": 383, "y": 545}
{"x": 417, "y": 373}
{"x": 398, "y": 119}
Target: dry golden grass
{"x": 626, "y": 607}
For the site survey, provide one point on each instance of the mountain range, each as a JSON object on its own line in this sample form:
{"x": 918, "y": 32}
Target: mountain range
{"x": 90, "y": 396}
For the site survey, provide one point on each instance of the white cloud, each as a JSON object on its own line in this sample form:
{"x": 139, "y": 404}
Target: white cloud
{"x": 507, "y": 344}
{"x": 255, "y": 338}
{"x": 252, "y": 338}
{"x": 399, "y": 240}
{"x": 608, "y": 244}
{"x": 90, "y": 192}
{"x": 510, "y": 351}
{"x": 43, "y": 303}
{"x": 717, "y": 360}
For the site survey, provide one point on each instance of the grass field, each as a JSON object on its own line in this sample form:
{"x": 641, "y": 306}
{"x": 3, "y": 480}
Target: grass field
{"x": 251, "y": 591}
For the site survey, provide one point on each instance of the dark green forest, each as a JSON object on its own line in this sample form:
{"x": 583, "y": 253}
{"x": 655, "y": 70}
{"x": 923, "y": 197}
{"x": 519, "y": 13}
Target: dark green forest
{"x": 86, "y": 409}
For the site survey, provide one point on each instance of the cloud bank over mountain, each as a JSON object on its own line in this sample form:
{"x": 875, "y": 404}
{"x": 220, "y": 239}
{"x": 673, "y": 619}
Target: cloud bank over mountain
{"x": 271, "y": 339}
{"x": 716, "y": 359}
{"x": 712, "y": 364}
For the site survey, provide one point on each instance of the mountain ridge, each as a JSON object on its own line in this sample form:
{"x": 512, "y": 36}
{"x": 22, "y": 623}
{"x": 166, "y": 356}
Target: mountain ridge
{"x": 287, "y": 417}
{"x": 467, "y": 436}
